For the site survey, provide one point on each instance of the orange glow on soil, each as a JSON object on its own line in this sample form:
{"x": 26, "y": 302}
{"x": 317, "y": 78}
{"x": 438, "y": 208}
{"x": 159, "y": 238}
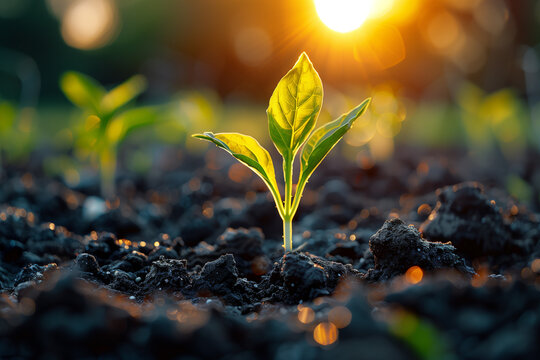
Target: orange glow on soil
{"x": 326, "y": 333}
{"x": 414, "y": 275}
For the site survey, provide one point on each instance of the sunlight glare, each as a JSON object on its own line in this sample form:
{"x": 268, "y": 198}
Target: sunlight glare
{"x": 343, "y": 15}
{"x": 89, "y": 24}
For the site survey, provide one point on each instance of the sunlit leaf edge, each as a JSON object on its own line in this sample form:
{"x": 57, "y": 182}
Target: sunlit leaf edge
{"x": 289, "y": 140}
{"x": 93, "y": 91}
{"x": 323, "y": 140}
{"x": 268, "y": 175}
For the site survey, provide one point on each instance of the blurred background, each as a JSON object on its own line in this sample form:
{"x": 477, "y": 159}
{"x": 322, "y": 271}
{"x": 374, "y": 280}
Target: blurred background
{"x": 442, "y": 74}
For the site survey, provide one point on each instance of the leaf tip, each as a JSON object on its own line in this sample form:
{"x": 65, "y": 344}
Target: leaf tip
{"x": 66, "y": 77}
{"x": 140, "y": 82}
{"x": 304, "y": 63}
{"x": 368, "y": 101}
{"x": 207, "y": 135}
{"x": 203, "y": 135}
{"x": 304, "y": 58}
{"x": 304, "y": 55}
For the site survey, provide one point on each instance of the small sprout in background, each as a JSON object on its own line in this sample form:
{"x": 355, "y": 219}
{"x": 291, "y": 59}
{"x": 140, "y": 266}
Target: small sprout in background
{"x": 419, "y": 335}
{"x": 292, "y": 114}
{"x": 498, "y": 121}
{"x": 7, "y": 116}
{"x": 106, "y": 121}
{"x": 16, "y": 138}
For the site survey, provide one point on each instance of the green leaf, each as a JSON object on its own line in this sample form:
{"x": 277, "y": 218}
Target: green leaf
{"x": 7, "y": 117}
{"x": 294, "y": 107}
{"x": 248, "y": 151}
{"x": 325, "y": 138}
{"x": 123, "y": 93}
{"x": 120, "y": 126}
{"x": 82, "y": 90}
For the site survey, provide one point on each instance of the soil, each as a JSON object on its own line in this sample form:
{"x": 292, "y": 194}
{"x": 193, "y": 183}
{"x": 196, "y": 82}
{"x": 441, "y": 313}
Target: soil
{"x": 408, "y": 259}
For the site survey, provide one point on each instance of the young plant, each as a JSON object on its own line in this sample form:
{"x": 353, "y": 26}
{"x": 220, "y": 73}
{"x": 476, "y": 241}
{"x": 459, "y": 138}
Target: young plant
{"x": 16, "y": 137}
{"x": 7, "y": 122}
{"x": 292, "y": 115}
{"x": 107, "y": 122}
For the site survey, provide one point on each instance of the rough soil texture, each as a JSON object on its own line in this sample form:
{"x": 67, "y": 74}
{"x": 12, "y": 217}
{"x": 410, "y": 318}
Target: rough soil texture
{"x": 500, "y": 320}
{"x": 396, "y": 247}
{"x": 302, "y": 277}
{"x": 467, "y": 218}
{"x": 189, "y": 264}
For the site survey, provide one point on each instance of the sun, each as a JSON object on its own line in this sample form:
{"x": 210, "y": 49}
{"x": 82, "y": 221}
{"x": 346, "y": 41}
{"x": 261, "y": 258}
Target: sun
{"x": 343, "y": 15}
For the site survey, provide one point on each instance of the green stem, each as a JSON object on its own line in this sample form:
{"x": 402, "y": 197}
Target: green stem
{"x": 287, "y": 218}
{"x": 298, "y": 195}
{"x": 287, "y": 233}
{"x": 288, "y": 169}
{"x": 277, "y": 200}
{"x": 107, "y": 163}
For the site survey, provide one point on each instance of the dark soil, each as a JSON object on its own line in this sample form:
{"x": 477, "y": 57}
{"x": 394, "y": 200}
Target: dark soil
{"x": 187, "y": 263}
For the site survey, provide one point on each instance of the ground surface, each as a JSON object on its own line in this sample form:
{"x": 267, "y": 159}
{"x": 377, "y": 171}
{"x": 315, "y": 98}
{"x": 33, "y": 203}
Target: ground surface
{"x": 427, "y": 258}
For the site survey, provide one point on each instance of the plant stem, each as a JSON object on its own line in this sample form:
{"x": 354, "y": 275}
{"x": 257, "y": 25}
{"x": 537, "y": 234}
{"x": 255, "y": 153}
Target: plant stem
{"x": 287, "y": 233}
{"x": 287, "y": 218}
{"x": 277, "y": 200}
{"x": 107, "y": 163}
{"x": 298, "y": 195}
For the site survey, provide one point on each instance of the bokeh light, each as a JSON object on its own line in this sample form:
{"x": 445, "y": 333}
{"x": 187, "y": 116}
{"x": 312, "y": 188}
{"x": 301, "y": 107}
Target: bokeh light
{"x": 252, "y": 45}
{"x": 340, "y": 316}
{"x": 535, "y": 266}
{"x": 444, "y": 31}
{"x": 306, "y": 315}
{"x": 89, "y": 24}
{"x": 492, "y": 16}
{"x": 414, "y": 275}
{"x": 326, "y": 333}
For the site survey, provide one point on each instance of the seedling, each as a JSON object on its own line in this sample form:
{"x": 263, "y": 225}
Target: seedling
{"x": 292, "y": 114}
{"x": 7, "y": 116}
{"x": 107, "y": 123}
{"x": 16, "y": 138}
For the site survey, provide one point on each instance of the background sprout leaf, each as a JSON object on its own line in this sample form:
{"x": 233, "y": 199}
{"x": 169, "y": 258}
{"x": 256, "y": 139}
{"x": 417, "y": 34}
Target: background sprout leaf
{"x": 129, "y": 120}
{"x": 294, "y": 107}
{"x": 325, "y": 138}
{"x": 123, "y": 93}
{"x": 8, "y": 114}
{"x": 248, "y": 151}
{"x": 82, "y": 90}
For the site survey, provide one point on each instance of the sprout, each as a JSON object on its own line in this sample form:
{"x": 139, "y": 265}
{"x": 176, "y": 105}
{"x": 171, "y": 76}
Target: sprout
{"x": 292, "y": 114}
{"x": 107, "y": 122}
{"x": 7, "y": 115}
{"x": 16, "y": 138}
